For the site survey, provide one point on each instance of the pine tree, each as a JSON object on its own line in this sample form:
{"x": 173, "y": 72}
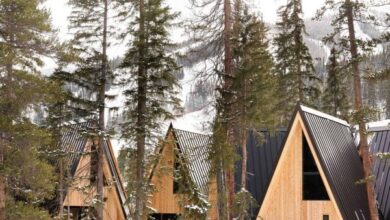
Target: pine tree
{"x": 26, "y": 178}
{"x": 335, "y": 98}
{"x": 255, "y": 88}
{"x": 298, "y": 81}
{"x": 254, "y": 83}
{"x": 349, "y": 12}
{"x": 69, "y": 106}
{"x": 212, "y": 34}
{"x": 152, "y": 70}
{"x": 363, "y": 144}
{"x": 226, "y": 99}
{"x": 92, "y": 35}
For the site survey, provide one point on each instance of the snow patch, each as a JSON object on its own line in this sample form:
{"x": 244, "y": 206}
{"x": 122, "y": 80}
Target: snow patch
{"x": 379, "y": 125}
{"x": 198, "y": 121}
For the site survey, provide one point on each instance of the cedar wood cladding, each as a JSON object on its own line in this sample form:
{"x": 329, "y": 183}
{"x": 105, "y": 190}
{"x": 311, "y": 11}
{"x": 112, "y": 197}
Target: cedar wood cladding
{"x": 263, "y": 148}
{"x": 381, "y": 168}
{"x": 74, "y": 138}
{"x": 334, "y": 144}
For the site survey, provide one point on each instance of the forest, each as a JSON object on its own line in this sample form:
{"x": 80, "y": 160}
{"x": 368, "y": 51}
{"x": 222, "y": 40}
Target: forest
{"x": 132, "y": 67}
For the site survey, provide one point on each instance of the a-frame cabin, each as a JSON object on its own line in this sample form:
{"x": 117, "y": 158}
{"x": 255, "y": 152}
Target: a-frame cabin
{"x": 187, "y": 153}
{"x": 81, "y": 189}
{"x": 316, "y": 172}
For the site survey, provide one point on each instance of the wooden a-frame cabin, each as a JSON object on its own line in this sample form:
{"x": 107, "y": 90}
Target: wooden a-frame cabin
{"x": 308, "y": 171}
{"x": 316, "y": 172}
{"x": 81, "y": 189}
{"x": 184, "y": 152}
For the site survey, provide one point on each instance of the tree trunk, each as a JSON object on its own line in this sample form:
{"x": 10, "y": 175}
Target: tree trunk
{"x": 227, "y": 96}
{"x": 363, "y": 145}
{"x": 244, "y": 135}
{"x": 221, "y": 193}
{"x": 230, "y": 190}
{"x": 101, "y": 101}
{"x": 61, "y": 189}
{"x": 244, "y": 158}
{"x": 3, "y": 136}
{"x": 141, "y": 111}
{"x": 298, "y": 39}
{"x": 2, "y": 179}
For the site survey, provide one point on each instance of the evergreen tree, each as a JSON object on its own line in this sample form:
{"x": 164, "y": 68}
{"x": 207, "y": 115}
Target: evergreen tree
{"x": 26, "y": 178}
{"x": 76, "y": 100}
{"x": 335, "y": 98}
{"x": 255, "y": 88}
{"x": 298, "y": 81}
{"x": 349, "y": 13}
{"x": 152, "y": 100}
{"x": 86, "y": 86}
{"x": 211, "y": 35}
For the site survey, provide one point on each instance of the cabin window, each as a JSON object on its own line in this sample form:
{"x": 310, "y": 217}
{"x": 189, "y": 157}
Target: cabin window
{"x": 313, "y": 186}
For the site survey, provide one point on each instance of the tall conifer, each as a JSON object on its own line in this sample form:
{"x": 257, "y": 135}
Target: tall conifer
{"x": 92, "y": 35}
{"x": 151, "y": 69}
{"x": 211, "y": 35}
{"x": 298, "y": 81}
{"x": 335, "y": 98}
{"x": 26, "y": 179}
{"x": 349, "y": 13}
{"x": 254, "y": 86}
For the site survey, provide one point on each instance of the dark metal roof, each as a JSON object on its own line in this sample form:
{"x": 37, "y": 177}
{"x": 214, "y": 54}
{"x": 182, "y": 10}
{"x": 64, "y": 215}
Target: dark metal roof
{"x": 73, "y": 141}
{"x": 195, "y": 150}
{"x": 380, "y": 143}
{"x": 263, "y": 148}
{"x": 334, "y": 144}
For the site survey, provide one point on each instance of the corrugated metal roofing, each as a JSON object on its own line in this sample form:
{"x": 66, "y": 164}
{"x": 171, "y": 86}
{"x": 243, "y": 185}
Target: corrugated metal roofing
{"x": 335, "y": 147}
{"x": 380, "y": 143}
{"x": 263, "y": 148}
{"x": 73, "y": 141}
{"x": 195, "y": 149}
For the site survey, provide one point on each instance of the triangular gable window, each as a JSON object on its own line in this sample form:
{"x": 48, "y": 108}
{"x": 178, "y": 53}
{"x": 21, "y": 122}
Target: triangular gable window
{"x": 313, "y": 186}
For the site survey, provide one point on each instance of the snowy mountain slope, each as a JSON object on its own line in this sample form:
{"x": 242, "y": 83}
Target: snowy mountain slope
{"x": 198, "y": 119}
{"x": 192, "y": 120}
